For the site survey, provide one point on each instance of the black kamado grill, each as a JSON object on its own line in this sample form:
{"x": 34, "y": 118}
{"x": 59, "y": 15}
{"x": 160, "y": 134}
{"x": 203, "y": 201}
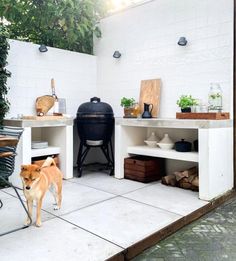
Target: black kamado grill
{"x": 95, "y": 124}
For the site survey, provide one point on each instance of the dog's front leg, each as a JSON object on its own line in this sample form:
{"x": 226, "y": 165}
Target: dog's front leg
{"x": 38, "y": 214}
{"x": 30, "y": 209}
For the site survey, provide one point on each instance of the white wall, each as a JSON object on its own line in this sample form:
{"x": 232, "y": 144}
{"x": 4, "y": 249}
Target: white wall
{"x": 74, "y": 74}
{"x": 147, "y": 37}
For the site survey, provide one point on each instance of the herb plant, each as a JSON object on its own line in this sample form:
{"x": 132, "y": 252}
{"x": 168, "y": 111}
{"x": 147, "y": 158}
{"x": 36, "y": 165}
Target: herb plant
{"x": 127, "y": 102}
{"x": 186, "y": 101}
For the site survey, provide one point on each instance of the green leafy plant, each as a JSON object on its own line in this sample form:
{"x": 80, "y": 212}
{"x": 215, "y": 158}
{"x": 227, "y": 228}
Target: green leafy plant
{"x": 186, "y": 101}
{"x": 66, "y": 24}
{"x": 127, "y": 102}
{"x": 4, "y": 73}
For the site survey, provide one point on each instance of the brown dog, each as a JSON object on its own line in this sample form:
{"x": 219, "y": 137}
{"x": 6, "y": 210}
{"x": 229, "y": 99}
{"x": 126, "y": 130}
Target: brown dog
{"x": 36, "y": 182}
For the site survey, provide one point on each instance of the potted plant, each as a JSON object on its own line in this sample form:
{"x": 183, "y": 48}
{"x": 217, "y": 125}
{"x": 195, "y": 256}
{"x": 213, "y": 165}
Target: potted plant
{"x": 4, "y": 73}
{"x": 128, "y": 104}
{"x": 185, "y": 102}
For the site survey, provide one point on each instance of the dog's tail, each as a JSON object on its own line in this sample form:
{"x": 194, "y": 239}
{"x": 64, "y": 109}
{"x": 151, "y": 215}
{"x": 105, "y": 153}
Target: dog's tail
{"x": 49, "y": 162}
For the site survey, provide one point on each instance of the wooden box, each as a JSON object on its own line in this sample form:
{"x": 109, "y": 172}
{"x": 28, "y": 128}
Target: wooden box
{"x": 40, "y": 160}
{"x": 143, "y": 168}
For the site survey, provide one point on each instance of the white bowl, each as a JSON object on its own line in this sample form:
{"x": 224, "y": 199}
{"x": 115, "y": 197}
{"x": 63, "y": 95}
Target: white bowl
{"x": 151, "y": 143}
{"x": 166, "y": 146}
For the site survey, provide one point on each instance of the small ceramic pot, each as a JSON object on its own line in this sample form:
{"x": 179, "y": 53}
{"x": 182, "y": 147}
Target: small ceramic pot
{"x": 195, "y": 145}
{"x": 152, "y": 140}
{"x": 166, "y": 143}
{"x": 187, "y": 109}
{"x": 183, "y": 146}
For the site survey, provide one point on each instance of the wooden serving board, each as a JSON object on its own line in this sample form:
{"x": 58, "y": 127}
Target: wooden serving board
{"x": 150, "y": 93}
{"x": 203, "y": 115}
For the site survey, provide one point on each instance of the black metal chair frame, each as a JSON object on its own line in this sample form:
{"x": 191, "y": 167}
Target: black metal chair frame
{"x": 106, "y": 149}
{"x": 7, "y": 165}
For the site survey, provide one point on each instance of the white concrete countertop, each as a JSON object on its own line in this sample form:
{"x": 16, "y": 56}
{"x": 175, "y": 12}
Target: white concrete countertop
{"x": 174, "y": 123}
{"x": 65, "y": 121}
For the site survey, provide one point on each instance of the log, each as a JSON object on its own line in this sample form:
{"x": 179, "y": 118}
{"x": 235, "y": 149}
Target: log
{"x": 185, "y": 173}
{"x": 183, "y": 183}
{"x": 190, "y": 171}
{"x": 195, "y": 181}
{"x": 187, "y": 179}
{"x": 169, "y": 180}
{"x": 180, "y": 174}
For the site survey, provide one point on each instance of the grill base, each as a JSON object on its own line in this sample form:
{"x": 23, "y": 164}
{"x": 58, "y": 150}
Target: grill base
{"x": 106, "y": 149}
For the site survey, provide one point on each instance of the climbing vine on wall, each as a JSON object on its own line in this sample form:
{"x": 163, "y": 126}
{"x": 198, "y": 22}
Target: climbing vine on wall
{"x": 4, "y": 73}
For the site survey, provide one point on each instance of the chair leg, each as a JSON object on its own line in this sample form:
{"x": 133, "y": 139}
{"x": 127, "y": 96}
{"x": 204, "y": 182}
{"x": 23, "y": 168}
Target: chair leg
{"x": 22, "y": 203}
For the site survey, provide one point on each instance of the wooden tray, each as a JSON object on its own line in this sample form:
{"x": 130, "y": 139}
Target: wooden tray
{"x": 203, "y": 115}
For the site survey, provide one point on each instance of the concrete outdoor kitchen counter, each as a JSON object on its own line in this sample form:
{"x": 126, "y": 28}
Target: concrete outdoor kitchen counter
{"x": 214, "y": 157}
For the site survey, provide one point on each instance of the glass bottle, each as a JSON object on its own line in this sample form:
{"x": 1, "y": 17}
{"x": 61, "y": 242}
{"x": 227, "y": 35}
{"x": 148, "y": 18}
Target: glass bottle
{"x": 215, "y": 98}
{"x": 137, "y": 110}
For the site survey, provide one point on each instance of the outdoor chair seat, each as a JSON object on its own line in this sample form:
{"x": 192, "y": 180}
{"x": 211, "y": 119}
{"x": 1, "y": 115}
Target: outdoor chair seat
{"x": 9, "y": 138}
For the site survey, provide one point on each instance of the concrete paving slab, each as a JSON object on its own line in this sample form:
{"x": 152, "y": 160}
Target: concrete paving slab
{"x": 55, "y": 240}
{"x": 74, "y": 197}
{"x": 12, "y": 215}
{"x": 104, "y": 182}
{"x": 122, "y": 221}
{"x": 176, "y": 200}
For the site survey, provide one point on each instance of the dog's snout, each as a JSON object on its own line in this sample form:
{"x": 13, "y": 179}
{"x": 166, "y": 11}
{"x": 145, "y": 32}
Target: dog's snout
{"x": 27, "y": 187}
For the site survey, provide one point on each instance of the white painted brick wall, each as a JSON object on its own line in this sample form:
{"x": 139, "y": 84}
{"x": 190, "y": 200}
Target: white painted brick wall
{"x": 147, "y": 37}
{"x": 75, "y": 76}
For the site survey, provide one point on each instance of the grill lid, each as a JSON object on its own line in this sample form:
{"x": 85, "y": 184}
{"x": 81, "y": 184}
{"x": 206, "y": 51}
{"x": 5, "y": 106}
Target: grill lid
{"x": 95, "y": 108}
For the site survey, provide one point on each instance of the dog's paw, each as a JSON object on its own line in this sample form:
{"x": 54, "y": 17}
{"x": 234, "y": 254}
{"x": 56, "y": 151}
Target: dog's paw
{"x": 27, "y": 222}
{"x": 38, "y": 223}
{"x": 56, "y": 207}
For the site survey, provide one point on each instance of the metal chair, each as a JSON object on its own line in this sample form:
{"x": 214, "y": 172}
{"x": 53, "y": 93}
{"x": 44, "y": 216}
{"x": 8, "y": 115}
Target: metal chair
{"x": 7, "y": 163}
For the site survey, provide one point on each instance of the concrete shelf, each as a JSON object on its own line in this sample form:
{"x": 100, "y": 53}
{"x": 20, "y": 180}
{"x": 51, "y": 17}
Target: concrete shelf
{"x": 46, "y": 151}
{"x": 168, "y": 154}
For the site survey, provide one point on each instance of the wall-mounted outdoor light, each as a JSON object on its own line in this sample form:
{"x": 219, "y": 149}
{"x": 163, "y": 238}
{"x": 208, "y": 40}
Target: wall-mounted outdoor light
{"x": 182, "y": 41}
{"x": 43, "y": 48}
{"x": 116, "y": 54}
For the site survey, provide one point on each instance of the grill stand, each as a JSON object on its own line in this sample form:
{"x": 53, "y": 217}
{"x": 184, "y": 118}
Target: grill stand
{"x": 107, "y": 151}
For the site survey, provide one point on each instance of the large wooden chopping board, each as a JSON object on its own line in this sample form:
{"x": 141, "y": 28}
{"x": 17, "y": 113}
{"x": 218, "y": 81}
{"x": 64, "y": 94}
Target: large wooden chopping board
{"x": 150, "y": 93}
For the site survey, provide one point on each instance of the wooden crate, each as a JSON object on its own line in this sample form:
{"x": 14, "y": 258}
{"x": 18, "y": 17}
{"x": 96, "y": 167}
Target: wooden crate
{"x": 144, "y": 169}
{"x": 203, "y": 115}
{"x": 40, "y": 160}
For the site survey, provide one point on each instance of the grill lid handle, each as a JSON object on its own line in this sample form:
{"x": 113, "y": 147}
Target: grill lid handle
{"x": 95, "y": 99}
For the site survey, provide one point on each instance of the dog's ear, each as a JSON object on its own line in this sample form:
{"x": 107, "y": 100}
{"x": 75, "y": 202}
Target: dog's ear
{"x": 23, "y": 167}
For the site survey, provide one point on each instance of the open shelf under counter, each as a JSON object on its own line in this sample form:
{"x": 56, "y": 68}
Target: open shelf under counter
{"x": 215, "y": 149}
{"x": 46, "y": 151}
{"x": 161, "y": 153}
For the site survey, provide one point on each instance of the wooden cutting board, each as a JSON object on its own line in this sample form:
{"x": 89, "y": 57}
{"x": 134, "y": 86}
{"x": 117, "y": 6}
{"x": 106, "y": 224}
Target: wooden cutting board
{"x": 150, "y": 93}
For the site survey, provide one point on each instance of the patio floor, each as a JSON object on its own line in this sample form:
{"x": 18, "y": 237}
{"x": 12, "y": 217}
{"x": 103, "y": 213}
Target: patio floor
{"x": 100, "y": 217}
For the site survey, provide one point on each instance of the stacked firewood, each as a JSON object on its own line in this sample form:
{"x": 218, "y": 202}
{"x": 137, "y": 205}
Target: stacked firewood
{"x": 187, "y": 179}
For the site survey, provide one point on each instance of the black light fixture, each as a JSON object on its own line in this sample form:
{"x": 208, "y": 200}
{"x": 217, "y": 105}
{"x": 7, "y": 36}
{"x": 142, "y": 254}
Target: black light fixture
{"x": 182, "y": 41}
{"x": 43, "y": 48}
{"x": 116, "y": 54}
